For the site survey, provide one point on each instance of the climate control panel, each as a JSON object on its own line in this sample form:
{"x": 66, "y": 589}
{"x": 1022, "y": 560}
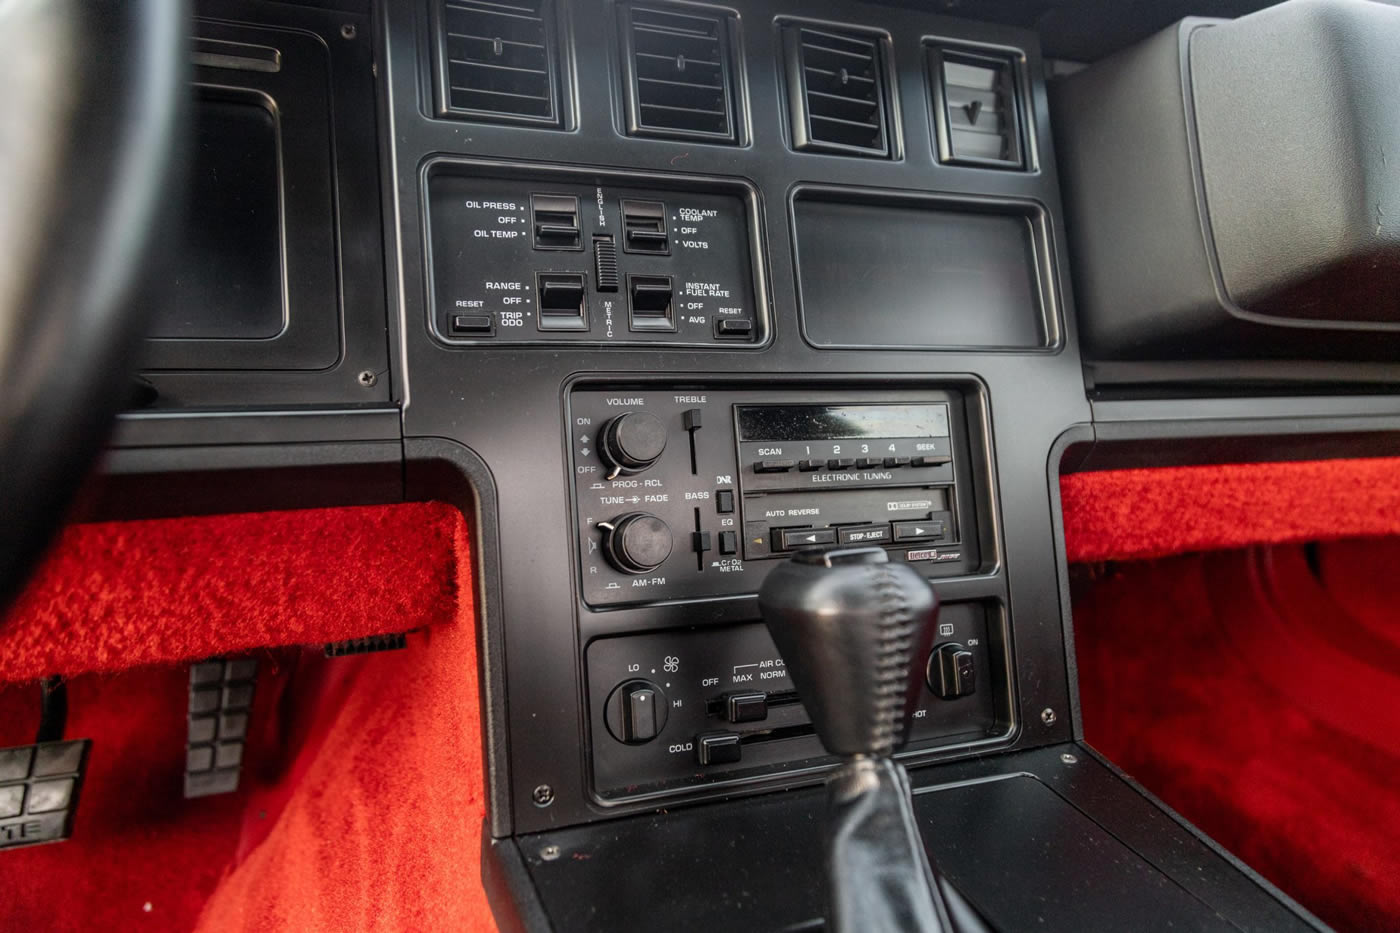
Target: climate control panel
{"x": 549, "y": 256}
{"x": 696, "y": 706}
{"x": 690, "y": 493}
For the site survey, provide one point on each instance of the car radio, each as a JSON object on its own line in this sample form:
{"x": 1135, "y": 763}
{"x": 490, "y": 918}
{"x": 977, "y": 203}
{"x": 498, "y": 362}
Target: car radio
{"x": 684, "y": 493}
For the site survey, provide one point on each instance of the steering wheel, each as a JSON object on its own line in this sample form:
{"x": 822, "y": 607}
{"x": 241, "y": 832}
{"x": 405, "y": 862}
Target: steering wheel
{"x": 95, "y": 97}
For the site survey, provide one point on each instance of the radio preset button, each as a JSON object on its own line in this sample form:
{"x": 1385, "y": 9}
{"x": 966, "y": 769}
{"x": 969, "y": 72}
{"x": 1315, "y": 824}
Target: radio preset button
{"x": 863, "y": 534}
{"x": 918, "y": 531}
{"x": 790, "y": 539}
{"x": 866, "y": 463}
{"x": 840, "y": 463}
{"x": 774, "y": 466}
{"x": 891, "y": 462}
{"x": 807, "y": 466}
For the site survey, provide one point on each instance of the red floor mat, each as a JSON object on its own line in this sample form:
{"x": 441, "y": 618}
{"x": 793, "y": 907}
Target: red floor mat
{"x": 1258, "y": 697}
{"x": 1124, "y": 514}
{"x": 362, "y": 795}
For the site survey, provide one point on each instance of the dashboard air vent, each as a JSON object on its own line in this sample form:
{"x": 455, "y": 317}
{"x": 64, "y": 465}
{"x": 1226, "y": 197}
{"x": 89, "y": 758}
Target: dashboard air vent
{"x": 497, "y": 60}
{"x": 836, "y": 91}
{"x": 977, "y": 108}
{"x": 679, "y": 75}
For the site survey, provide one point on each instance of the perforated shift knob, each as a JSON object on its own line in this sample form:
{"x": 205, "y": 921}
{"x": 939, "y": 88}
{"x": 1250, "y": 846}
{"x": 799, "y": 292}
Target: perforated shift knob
{"x": 849, "y": 624}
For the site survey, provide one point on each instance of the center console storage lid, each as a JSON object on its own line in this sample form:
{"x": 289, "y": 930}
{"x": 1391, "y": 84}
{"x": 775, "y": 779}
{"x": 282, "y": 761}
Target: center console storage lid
{"x": 1230, "y": 187}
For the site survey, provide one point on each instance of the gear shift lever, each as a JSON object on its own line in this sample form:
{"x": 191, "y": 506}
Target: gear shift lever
{"x": 849, "y": 625}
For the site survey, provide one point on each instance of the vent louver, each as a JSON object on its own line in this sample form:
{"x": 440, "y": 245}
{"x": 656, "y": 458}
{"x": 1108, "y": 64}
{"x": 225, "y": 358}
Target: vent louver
{"x": 679, "y": 74}
{"x": 836, "y": 91}
{"x": 498, "y": 60}
{"x": 977, "y": 108}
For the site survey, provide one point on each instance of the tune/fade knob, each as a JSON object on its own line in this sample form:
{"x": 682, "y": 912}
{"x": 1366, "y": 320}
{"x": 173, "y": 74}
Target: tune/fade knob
{"x": 637, "y": 542}
{"x": 631, "y": 442}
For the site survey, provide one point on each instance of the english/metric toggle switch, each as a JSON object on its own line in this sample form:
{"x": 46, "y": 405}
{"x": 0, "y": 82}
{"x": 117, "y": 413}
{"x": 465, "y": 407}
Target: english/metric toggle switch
{"x": 650, "y": 298}
{"x": 644, "y": 227}
{"x": 555, "y": 218}
{"x": 605, "y": 262}
{"x": 562, "y": 301}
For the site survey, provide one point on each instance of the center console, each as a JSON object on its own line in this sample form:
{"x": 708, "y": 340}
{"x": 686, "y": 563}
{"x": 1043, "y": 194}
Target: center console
{"x": 692, "y": 493}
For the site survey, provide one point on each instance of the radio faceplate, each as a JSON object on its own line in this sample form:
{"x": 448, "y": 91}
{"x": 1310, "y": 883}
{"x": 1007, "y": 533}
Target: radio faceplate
{"x": 686, "y": 493}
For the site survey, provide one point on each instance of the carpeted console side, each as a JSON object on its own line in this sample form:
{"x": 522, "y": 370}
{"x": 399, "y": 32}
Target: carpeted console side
{"x": 362, "y": 795}
{"x": 1252, "y": 684}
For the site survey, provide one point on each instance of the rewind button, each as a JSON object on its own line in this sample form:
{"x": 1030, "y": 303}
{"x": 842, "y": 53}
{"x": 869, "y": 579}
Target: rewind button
{"x": 791, "y": 539}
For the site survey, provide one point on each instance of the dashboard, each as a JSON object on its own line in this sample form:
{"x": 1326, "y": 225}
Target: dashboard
{"x": 659, "y": 293}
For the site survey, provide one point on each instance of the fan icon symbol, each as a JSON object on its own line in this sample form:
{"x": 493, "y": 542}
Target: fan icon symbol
{"x": 672, "y": 664}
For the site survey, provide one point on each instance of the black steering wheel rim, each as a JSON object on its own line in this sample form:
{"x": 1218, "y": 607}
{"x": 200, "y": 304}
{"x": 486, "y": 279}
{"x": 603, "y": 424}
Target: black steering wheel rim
{"x": 98, "y": 93}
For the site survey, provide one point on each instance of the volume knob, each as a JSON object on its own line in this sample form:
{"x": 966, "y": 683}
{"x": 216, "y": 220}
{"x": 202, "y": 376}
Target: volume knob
{"x": 631, "y": 442}
{"x": 637, "y": 542}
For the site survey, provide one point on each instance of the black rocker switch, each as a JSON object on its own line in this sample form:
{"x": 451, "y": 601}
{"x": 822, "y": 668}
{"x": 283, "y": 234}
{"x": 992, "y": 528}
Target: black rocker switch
{"x": 644, "y": 227}
{"x": 555, "y": 218}
{"x": 650, "y": 297}
{"x": 562, "y": 301}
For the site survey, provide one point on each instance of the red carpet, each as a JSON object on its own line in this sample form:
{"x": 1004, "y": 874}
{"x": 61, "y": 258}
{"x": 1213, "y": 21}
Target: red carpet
{"x": 1123, "y": 514}
{"x": 362, "y": 796}
{"x": 1254, "y": 692}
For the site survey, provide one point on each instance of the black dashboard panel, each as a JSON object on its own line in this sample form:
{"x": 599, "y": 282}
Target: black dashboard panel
{"x": 300, "y": 317}
{"x": 514, "y": 405}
